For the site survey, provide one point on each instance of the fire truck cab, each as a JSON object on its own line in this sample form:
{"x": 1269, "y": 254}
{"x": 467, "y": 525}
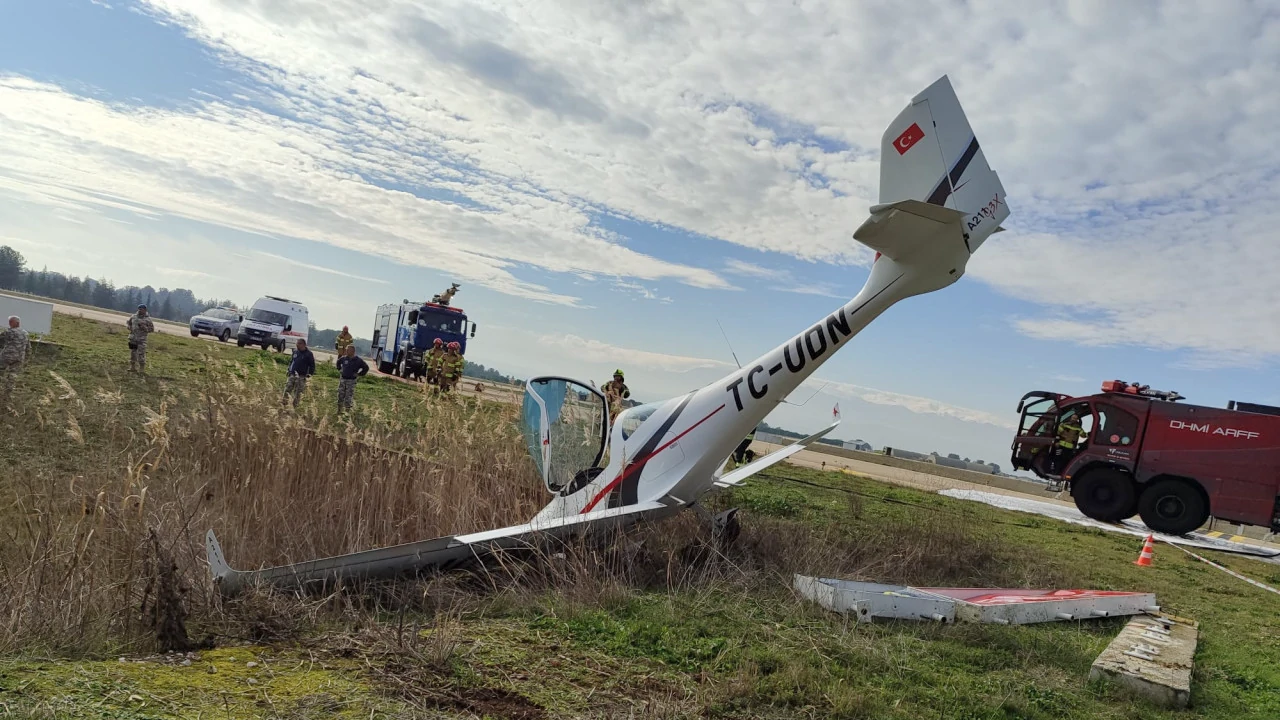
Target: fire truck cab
{"x": 1141, "y": 452}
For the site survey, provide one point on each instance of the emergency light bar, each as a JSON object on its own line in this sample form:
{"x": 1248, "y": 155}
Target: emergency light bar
{"x": 1119, "y": 386}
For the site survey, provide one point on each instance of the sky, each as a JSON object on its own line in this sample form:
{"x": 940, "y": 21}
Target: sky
{"x": 612, "y": 182}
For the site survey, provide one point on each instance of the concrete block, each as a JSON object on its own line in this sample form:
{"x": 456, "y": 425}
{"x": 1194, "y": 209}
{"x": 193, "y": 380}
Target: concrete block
{"x": 1152, "y": 657}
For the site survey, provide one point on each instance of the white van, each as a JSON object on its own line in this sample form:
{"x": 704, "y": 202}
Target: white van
{"x": 274, "y": 322}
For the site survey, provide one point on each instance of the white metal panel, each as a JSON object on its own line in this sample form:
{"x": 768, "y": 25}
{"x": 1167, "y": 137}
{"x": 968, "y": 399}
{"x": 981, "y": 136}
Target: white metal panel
{"x": 37, "y": 316}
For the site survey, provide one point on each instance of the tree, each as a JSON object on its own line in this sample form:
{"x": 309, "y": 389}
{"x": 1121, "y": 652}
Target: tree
{"x": 104, "y": 295}
{"x": 166, "y": 309}
{"x": 11, "y": 265}
{"x": 71, "y": 290}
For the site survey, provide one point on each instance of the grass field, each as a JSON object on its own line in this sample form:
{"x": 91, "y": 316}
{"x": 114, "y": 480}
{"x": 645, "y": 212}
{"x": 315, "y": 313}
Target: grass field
{"x": 98, "y": 460}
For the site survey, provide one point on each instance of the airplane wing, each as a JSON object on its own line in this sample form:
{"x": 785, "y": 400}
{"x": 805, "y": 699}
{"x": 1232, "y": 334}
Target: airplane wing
{"x": 737, "y": 477}
{"x": 439, "y": 553}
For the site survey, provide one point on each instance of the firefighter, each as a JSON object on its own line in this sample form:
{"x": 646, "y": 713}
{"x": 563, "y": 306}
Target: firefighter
{"x": 1070, "y": 432}
{"x": 433, "y": 360}
{"x": 444, "y": 297}
{"x": 451, "y": 367}
{"x": 342, "y": 342}
{"x": 615, "y": 391}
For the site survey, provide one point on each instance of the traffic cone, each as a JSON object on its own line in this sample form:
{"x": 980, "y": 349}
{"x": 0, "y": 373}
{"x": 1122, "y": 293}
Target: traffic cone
{"x": 1148, "y": 548}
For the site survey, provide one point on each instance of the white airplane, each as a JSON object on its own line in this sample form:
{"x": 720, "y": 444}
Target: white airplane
{"x": 939, "y": 200}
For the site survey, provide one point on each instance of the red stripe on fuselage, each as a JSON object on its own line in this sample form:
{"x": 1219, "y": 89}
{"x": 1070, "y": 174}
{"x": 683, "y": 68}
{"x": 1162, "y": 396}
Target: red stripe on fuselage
{"x": 613, "y": 484}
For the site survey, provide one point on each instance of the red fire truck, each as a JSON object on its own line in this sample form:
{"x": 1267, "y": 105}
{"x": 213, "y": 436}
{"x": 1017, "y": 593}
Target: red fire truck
{"x": 1141, "y": 452}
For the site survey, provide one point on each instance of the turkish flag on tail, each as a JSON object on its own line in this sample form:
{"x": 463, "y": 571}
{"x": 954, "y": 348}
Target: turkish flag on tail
{"x": 909, "y": 137}
{"x": 835, "y": 411}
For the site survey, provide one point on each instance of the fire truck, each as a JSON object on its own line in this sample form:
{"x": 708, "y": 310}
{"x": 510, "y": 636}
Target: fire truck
{"x": 1141, "y": 452}
{"x": 403, "y": 332}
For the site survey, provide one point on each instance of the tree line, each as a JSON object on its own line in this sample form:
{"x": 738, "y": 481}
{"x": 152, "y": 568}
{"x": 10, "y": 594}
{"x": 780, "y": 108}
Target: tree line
{"x": 178, "y": 304}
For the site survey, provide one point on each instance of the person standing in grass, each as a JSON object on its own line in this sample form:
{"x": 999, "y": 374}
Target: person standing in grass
{"x": 342, "y": 342}
{"x": 14, "y": 346}
{"x": 451, "y": 367}
{"x": 350, "y": 368}
{"x": 140, "y": 325}
{"x": 301, "y": 368}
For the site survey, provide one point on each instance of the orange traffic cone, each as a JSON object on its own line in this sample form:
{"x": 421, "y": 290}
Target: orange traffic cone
{"x": 1148, "y": 548}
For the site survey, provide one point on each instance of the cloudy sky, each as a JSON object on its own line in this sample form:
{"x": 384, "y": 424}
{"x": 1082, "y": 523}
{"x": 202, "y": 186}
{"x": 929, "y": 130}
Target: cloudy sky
{"x": 609, "y": 179}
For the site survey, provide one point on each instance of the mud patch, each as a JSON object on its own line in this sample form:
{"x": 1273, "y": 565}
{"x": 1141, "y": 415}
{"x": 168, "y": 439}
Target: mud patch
{"x": 493, "y": 702}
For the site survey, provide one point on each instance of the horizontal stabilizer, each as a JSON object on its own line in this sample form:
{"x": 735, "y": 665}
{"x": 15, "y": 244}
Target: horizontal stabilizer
{"x": 929, "y": 211}
{"x": 736, "y": 477}
{"x": 910, "y": 230}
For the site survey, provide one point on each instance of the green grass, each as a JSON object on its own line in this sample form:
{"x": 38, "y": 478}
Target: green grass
{"x": 738, "y": 644}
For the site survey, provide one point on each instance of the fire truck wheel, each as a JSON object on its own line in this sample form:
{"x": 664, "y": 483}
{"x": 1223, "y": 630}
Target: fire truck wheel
{"x": 1174, "y": 507}
{"x": 1105, "y": 494}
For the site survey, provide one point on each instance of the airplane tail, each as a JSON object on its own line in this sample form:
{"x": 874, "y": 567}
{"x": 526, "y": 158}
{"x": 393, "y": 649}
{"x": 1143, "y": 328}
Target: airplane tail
{"x": 936, "y": 188}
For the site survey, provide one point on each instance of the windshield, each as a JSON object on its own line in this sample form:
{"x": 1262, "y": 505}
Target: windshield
{"x": 440, "y": 323}
{"x": 1033, "y": 412}
{"x": 633, "y": 418}
{"x": 220, "y": 314}
{"x": 268, "y": 317}
{"x": 564, "y": 424}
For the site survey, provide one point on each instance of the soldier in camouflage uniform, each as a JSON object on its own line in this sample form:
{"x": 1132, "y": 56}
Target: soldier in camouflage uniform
{"x": 140, "y": 325}
{"x": 14, "y": 346}
{"x": 350, "y": 368}
{"x": 451, "y": 367}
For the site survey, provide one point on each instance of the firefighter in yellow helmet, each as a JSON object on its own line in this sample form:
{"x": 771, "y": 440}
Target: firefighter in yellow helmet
{"x": 615, "y": 391}
{"x": 433, "y": 361}
{"x": 342, "y": 342}
{"x": 1070, "y": 433}
{"x": 451, "y": 367}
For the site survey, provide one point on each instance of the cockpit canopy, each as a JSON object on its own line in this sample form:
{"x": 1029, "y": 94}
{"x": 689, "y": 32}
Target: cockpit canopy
{"x": 565, "y": 424}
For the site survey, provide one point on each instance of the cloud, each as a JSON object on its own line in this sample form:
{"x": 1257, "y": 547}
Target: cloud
{"x": 595, "y": 351}
{"x": 182, "y": 273}
{"x": 601, "y": 352}
{"x": 318, "y": 268}
{"x": 483, "y": 140}
{"x": 738, "y": 267}
{"x": 782, "y": 280}
{"x": 642, "y": 291}
{"x": 915, "y": 404}
{"x": 294, "y": 179}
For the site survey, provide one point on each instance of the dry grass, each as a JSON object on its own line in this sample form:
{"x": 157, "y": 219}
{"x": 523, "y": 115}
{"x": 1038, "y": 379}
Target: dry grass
{"x": 77, "y": 558}
{"x": 103, "y": 548}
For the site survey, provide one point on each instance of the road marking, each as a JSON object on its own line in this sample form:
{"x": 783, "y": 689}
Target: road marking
{"x": 1214, "y": 534}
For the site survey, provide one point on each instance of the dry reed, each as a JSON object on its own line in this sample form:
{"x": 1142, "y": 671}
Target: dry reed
{"x": 82, "y": 572}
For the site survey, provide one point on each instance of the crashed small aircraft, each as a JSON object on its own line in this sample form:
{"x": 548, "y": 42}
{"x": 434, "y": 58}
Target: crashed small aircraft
{"x": 939, "y": 200}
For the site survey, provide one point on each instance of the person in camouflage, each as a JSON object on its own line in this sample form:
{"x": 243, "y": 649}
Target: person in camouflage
{"x": 433, "y": 360}
{"x": 451, "y": 367}
{"x": 140, "y": 325}
{"x": 350, "y": 368}
{"x": 14, "y": 346}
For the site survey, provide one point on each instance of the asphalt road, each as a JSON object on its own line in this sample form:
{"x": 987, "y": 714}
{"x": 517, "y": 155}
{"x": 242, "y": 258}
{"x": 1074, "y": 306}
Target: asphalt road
{"x": 898, "y": 476}
{"x": 164, "y": 326}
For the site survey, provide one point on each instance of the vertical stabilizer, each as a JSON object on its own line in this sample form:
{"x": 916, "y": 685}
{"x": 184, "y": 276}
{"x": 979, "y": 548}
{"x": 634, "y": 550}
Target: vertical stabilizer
{"x": 929, "y": 153}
